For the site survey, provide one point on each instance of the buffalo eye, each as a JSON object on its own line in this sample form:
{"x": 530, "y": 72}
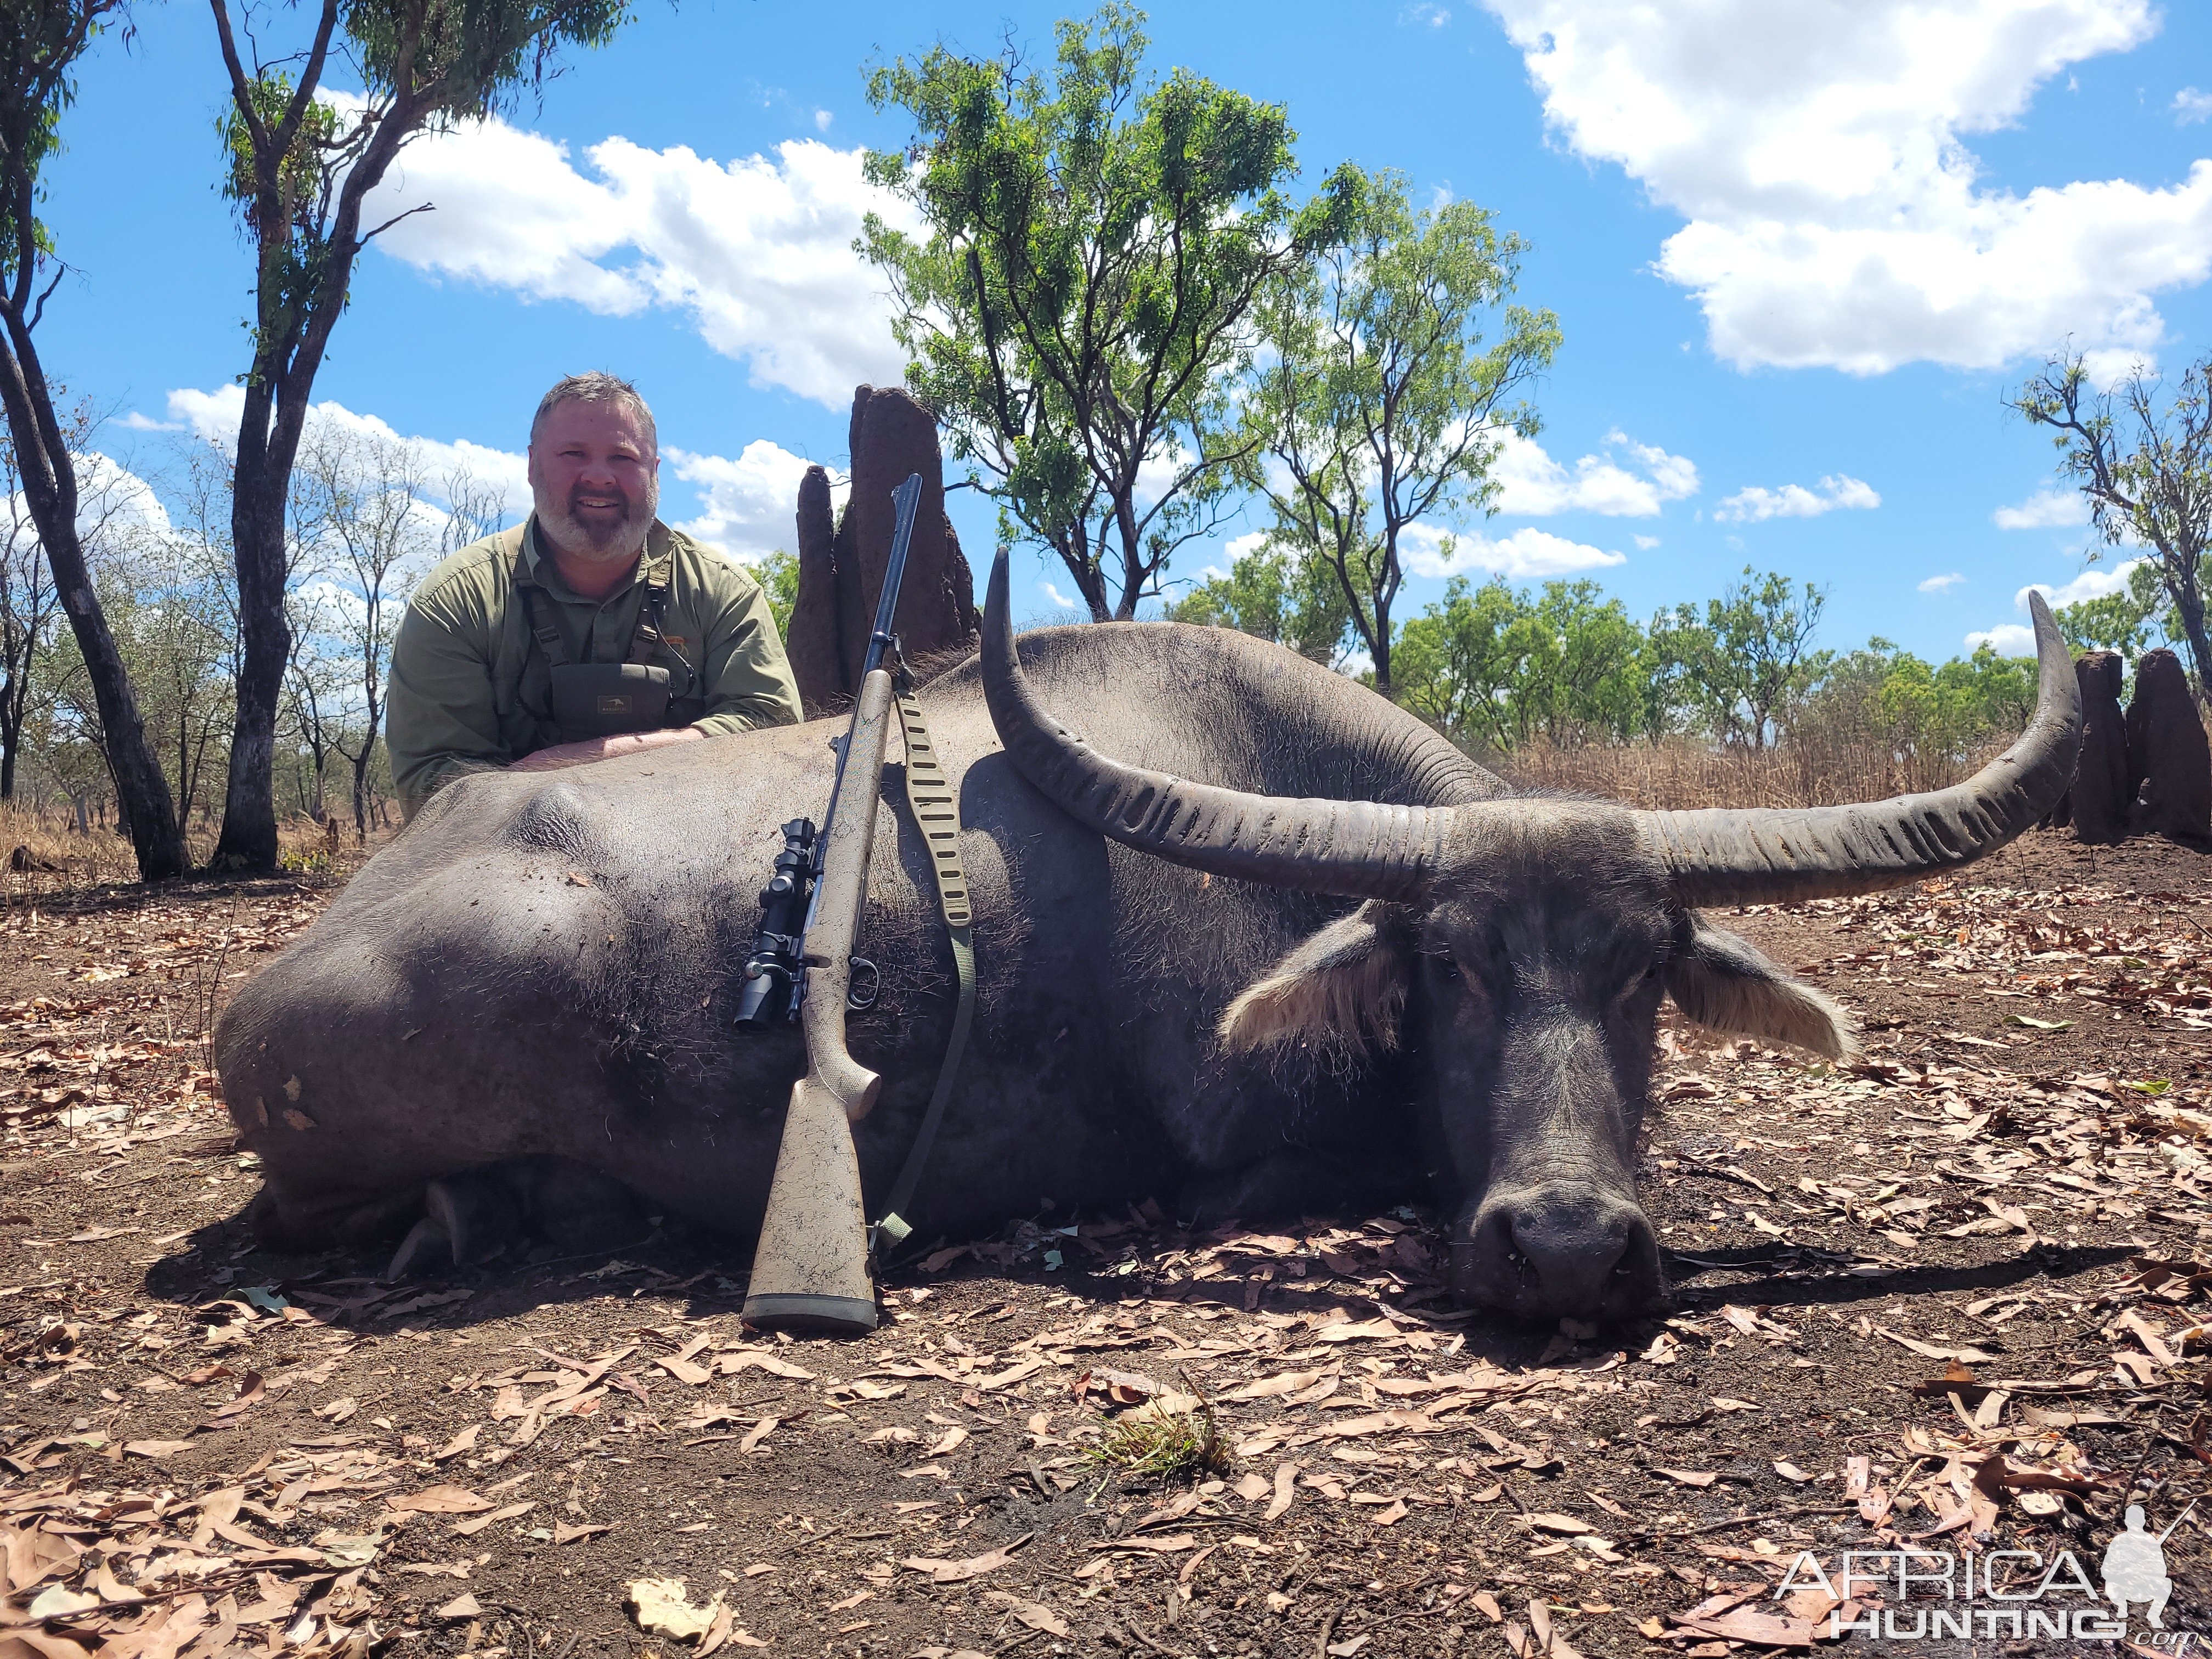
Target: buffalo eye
{"x": 1447, "y": 967}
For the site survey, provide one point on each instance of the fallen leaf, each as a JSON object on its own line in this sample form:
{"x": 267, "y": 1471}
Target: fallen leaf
{"x": 663, "y": 1607}
{"x": 440, "y": 1500}
{"x": 58, "y": 1601}
{"x": 1286, "y": 1475}
{"x": 953, "y": 1573}
{"x": 464, "y": 1605}
{"x": 466, "y": 1440}
{"x": 471, "y": 1527}
{"x": 154, "y": 1449}
{"x": 1689, "y": 1477}
{"x": 1560, "y": 1524}
{"x": 1035, "y": 1614}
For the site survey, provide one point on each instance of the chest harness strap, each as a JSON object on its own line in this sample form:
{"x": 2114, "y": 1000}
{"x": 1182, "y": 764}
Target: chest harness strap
{"x": 650, "y": 615}
{"x": 937, "y": 813}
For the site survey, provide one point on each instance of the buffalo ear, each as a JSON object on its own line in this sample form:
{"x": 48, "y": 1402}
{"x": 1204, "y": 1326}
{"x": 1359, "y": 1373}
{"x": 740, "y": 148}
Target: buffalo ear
{"x": 1719, "y": 980}
{"x": 1343, "y": 989}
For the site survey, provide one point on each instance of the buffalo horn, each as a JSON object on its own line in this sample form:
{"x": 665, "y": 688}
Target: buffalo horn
{"x": 1764, "y": 856}
{"x": 1355, "y": 848}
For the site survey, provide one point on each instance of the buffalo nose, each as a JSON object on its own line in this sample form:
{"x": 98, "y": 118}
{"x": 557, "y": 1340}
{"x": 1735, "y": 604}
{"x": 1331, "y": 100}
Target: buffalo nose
{"x": 1560, "y": 1250}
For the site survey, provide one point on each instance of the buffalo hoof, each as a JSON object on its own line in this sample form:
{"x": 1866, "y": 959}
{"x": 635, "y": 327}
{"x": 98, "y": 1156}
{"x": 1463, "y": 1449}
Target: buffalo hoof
{"x": 468, "y": 1219}
{"x": 1559, "y": 1251}
{"x": 472, "y": 1217}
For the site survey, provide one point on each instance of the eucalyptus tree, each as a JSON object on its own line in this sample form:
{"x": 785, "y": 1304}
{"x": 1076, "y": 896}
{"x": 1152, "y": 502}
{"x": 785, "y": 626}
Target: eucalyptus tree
{"x": 1392, "y": 365}
{"x": 1747, "y": 661}
{"x": 41, "y": 44}
{"x": 1284, "y": 599}
{"x": 1077, "y": 305}
{"x": 302, "y": 159}
{"x": 2142, "y": 459}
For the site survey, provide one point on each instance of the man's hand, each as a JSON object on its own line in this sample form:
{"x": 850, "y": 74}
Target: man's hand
{"x": 598, "y": 749}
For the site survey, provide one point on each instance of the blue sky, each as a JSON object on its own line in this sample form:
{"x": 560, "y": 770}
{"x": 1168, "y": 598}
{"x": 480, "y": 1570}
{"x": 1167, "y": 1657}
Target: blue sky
{"x": 1799, "y": 250}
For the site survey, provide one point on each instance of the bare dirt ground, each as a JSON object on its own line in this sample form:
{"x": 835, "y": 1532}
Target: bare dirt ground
{"x": 1950, "y": 1294}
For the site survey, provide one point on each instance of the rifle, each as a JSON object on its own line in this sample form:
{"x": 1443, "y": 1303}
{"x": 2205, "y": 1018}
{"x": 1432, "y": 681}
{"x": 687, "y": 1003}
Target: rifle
{"x": 810, "y": 1267}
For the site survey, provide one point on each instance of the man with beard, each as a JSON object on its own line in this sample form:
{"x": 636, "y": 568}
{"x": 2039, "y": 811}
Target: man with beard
{"x": 593, "y": 630}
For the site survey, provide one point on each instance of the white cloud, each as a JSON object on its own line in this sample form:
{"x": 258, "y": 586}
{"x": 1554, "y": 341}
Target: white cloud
{"x": 112, "y": 499}
{"x": 1057, "y": 596}
{"x": 1531, "y": 484}
{"x": 2006, "y": 639}
{"x": 214, "y": 417}
{"x": 2191, "y": 106}
{"x": 1644, "y": 543}
{"x": 2016, "y": 640}
{"x": 1426, "y": 11}
{"x": 749, "y": 505}
{"x": 2094, "y": 583}
{"x": 1527, "y": 552}
{"x": 1941, "y": 584}
{"x": 1835, "y": 216}
{"x": 2046, "y": 509}
{"x": 1756, "y": 503}
{"x": 758, "y": 252}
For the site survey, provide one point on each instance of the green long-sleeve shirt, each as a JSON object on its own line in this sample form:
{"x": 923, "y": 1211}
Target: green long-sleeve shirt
{"x": 472, "y": 689}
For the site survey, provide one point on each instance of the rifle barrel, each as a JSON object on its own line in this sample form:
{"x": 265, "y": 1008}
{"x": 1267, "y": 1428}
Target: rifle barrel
{"x": 904, "y": 500}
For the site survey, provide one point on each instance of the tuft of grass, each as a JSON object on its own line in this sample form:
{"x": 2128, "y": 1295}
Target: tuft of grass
{"x": 1165, "y": 1445}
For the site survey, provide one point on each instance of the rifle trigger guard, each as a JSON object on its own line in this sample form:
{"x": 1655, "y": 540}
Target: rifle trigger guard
{"x": 852, "y": 997}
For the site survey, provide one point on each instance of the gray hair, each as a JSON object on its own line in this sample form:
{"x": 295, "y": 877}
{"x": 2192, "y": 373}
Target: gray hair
{"x": 597, "y": 387}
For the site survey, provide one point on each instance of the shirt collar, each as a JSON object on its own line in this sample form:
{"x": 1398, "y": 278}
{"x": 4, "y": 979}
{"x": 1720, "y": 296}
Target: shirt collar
{"x": 547, "y": 574}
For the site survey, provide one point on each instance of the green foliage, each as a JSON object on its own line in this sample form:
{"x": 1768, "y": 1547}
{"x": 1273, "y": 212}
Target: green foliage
{"x": 2131, "y": 620}
{"x": 41, "y": 42}
{"x": 1494, "y": 668}
{"x": 1383, "y": 405}
{"x": 778, "y": 576}
{"x": 1274, "y": 596}
{"x": 1079, "y": 302}
{"x": 477, "y": 53}
{"x": 1163, "y": 1444}
{"x": 1749, "y": 659}
{"x": 2142, "y": 456}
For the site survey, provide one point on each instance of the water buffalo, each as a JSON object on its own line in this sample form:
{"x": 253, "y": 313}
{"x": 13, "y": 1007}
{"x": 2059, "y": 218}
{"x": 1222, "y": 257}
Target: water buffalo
{"x": 1348, "y": 965}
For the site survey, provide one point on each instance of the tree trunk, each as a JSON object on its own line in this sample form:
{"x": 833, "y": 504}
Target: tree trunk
{"x": 2188, "y": 600}
{"x": 360, "y": 791}
{"x": 248, "y": 841}
{"x": 49, "y": 479}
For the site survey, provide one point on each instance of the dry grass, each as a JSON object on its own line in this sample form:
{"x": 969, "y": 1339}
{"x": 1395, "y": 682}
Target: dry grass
{"x": 1677, "y": 773}
{"x": 42, "y": 851}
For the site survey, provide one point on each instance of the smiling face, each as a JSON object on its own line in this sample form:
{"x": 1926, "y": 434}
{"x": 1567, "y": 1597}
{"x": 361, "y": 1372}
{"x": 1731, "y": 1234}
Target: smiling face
{"x": 595, "y": 473}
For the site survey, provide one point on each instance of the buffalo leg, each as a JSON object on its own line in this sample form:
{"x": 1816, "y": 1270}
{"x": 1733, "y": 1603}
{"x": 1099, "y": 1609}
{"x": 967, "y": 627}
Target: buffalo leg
{"x": 467, "y": 1219}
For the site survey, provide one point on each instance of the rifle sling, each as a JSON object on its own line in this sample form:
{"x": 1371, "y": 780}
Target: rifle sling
{"x": 937, "y": 813}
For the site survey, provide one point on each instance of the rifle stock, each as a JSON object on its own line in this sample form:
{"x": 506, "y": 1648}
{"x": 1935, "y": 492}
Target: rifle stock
{"x": 810, "y": 1269}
